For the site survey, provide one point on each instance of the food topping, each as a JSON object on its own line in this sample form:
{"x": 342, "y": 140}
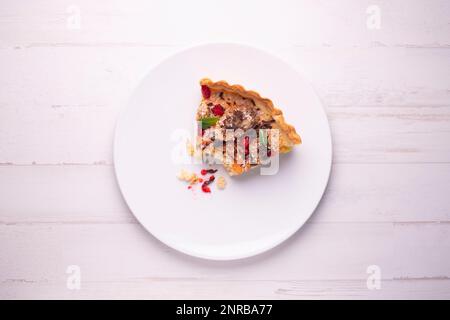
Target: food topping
{"x": 208, "y": 122}
{"x": 246, "y": 145}
{"x": 205, "y": 184}
{"x": 206, "y": 92}
{"x": 193, "y": 179}
{"x": 218, "y": 110}
{"x": 205, "y": 171}
{"x": 205, "y": 188}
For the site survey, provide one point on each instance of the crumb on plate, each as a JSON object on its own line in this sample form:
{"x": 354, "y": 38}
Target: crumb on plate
{"x": 221, "y": 182}
{"x": 188, "y": 176}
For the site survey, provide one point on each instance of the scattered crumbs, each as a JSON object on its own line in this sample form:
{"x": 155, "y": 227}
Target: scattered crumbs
{"x": 192, "y": 178}
{"x": 182, "y": 174}
{"x": 188, "y": 176}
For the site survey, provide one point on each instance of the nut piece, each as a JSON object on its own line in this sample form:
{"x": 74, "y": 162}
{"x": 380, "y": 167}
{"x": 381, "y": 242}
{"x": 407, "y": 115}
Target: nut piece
{"x": 193, "y": 178}
{"x": 221, "y": 182}
{"x": 182, "y": 175}
{"x": 190, "y": 177}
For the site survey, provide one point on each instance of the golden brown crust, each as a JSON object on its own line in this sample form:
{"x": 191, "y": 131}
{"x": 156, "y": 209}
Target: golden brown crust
{"x": 277, "y": 114}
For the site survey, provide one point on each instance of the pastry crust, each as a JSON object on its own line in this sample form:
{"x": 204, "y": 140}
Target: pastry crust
{"x": 277, "y": 114}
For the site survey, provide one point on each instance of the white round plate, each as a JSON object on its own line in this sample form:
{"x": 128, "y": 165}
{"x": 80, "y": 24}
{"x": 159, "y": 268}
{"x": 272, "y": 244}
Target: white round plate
{"x": 255, "y": 212}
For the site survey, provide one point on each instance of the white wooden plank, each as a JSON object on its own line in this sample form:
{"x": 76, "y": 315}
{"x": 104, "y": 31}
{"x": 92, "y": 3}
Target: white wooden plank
{"x": 389, "y": 134}
{"x": 356, "y": 193}
{"x": 307, "y": 22}
{"x": 216, "y": 289}
{"x": 395, "y": 289}
{"x": 77, "y": 77}
{"x": 387, "y": 192}
{"x": 375, "y": 76}
{"x": 117, "y": 252}
{"x": 68, "y": 91}
{"x": 61, "y": 194}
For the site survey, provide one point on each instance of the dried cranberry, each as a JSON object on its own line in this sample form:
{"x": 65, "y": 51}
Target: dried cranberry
{"x": 218, "y": 110}
{"x": 247, "y": 145}
{"x": 246, "y": 142}
{"x": 205, "y": 184}
{"x": 206, "y": 92}
{"x": 205, "y": 188}
{"x": 205, "y": 171}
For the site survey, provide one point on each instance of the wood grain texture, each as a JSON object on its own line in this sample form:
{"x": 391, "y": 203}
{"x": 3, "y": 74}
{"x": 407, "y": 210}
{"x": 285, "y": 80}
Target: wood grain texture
{"x": 189, "y": 289}
{"x": 382, "y": 76}
{"x": 303, "y": 22}
{"x": 327, "y": 251}
{"x": 387, "y": 96}
{"x": 325, "y": 259}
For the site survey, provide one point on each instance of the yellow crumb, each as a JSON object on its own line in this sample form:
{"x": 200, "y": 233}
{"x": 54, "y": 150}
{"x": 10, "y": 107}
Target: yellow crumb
{"x": 182, "y": 174}
{"x": 188, "y": 176}
{"x": 193, "y": 178}
{"x": 221, "y": 182}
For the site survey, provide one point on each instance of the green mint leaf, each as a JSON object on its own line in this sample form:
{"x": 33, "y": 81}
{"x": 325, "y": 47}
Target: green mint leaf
{"x": 208, "y": 122}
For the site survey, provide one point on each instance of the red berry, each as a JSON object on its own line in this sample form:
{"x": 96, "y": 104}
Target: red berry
{"x": 247, "y": 145}
{"x": 246, "y": 141}
{"x": 218, "y": 110}
{"x": 205, "y": 188}
{"x": 206, "y": 92}
{"x": 211, "y": 179}
{"x": 205, "y": 171}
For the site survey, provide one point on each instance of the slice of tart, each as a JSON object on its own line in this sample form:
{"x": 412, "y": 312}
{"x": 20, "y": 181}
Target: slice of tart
{"x": 240, "y": 128}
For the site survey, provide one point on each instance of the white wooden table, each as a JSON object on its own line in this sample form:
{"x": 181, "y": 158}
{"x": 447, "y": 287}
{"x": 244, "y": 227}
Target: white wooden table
{"x": 67, "y": 67}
